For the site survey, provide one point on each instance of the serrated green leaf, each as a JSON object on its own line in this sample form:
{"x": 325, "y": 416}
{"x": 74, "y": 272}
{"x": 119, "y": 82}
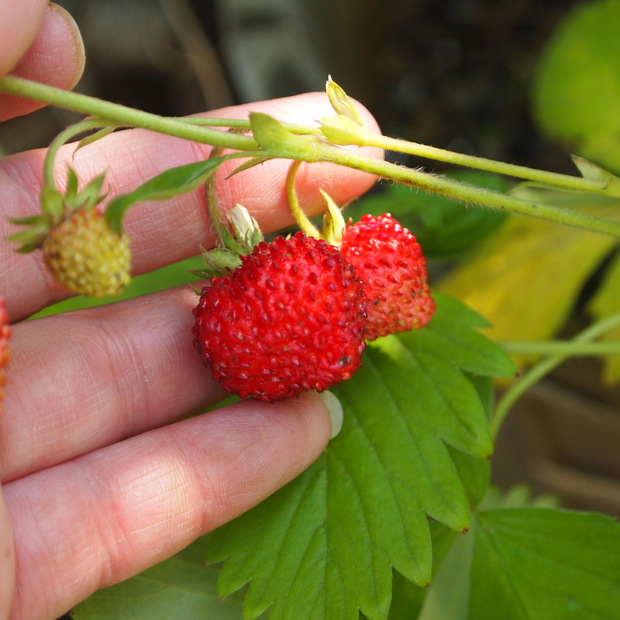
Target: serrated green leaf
{"x": 325, "y": 545}
{"x": 577, "y": 89}
{"x": 606, "y": 302}
{"x": 169, "y": 183}
{"x": 545, "y": 564}
{"x": 468, "y": 349}
{"x": 180, "y": 588}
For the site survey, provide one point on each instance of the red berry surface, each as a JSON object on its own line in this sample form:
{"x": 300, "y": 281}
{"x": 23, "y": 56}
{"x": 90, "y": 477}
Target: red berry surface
{"x": 389, "y": 261}
{"x": 290, "y": 318}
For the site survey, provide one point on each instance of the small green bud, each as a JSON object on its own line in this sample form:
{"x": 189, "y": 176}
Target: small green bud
{"x": 342, "y": 104}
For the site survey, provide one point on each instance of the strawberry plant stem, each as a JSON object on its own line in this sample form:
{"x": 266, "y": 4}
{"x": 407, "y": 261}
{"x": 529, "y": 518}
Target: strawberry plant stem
{"x": 562, "y": 347}
{"x": 300, "y": 217}
{"x": 464, "y": 192}
{"x": 556, "y": 357}
{"x": 318, "y": 150}
{"x": 123, "y": 115}
{"x": 561, "y": 181}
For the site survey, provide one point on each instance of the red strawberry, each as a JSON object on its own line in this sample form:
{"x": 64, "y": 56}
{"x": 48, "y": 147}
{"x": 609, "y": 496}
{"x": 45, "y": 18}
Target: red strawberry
{"x": 290, "y": 318}
{"x": 389, "y": 261}
{"x": 5, "y": 334}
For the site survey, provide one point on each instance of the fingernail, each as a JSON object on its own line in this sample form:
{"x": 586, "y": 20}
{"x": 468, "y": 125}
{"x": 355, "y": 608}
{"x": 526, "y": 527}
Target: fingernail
{"x": 335, "y": 411}
{"x": 76, "y": 35}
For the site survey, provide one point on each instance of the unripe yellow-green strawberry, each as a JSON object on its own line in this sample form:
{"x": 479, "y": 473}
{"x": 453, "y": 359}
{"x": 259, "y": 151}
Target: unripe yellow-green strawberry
{"x": 86, "y": 256}
{"x": 85, "y": 250}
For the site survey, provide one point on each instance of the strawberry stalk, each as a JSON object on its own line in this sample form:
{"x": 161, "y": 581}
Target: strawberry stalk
{"x": 312, "y": 144}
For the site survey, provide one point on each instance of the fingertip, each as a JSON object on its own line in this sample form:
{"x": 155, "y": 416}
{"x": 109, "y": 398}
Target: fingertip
{"x": 55, "y": 57}
{"x": 336, "y": 413}
{"x": 19, "y": 24}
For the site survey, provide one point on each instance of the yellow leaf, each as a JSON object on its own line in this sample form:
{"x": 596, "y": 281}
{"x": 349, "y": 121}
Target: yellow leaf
{"x": 526, "y": 278}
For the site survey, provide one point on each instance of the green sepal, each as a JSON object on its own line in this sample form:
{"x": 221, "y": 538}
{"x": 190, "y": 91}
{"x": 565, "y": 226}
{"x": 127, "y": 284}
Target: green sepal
{"x": 246, "y": 231}
{"x": 72, "y": 182}
{"x": 342, "y": 104}
{"x": 245, "y": 234}
{"x": 217, "y": 262}
{"x": 89, "y": 197}
{"x": 594, "y": 172}
{"x": 333, "y": 221}
{"x": 52, "y": 202}
{"x": 278, "y": 141}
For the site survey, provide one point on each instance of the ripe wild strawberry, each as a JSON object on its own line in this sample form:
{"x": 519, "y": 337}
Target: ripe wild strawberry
{"x": 388, "y": 260}
{"x": 83, "y": 254}
{"x": 5, "y": 334}
{"x": 290, "y": 318}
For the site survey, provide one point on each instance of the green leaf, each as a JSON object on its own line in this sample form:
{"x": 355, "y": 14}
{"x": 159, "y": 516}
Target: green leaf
{"x": 325, "y": 545}
{"x": 545, "y": 564}
{"x": 577, "y": 89}
{"x": 169, "y": 183}
{"x": 180, "y": 588}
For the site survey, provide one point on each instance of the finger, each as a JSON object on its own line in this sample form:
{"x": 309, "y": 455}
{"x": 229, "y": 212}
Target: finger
{"x": 55, "y": 55}
{"x": 7, "y": 561}
{"x": 127, "y": 367}
{"x": 106, "y": 516}
{"x": 19, "y": 24}
{"x": 171, "y": 230}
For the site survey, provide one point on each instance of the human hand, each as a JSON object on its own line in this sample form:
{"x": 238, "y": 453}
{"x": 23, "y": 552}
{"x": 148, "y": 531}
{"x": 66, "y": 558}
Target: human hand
{"x": 104, "y": 474}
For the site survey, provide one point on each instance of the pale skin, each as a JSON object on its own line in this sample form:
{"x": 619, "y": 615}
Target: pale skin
{"x": 103, "y": 474}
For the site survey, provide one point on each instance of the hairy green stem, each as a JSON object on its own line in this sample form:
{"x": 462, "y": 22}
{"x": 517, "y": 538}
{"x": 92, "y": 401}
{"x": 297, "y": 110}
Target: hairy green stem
{"x": 62, "y": 138}
{"x": 562, "y": 347}
{"x": 561, "y": 181}
{"x": 319, "y": 150}
{"x": 124, "y": 115}
{"x": 538, "y": 371}
{"x": 467, "y": 193}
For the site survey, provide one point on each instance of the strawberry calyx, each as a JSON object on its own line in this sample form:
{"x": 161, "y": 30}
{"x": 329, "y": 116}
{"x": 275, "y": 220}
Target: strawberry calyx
{"x": 56, "y": 207}
{"x": 233, "y": 243}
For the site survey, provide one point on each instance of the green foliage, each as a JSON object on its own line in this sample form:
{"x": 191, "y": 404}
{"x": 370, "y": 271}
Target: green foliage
{"x": 528, "y": 260}
{"x": 542, "y": 564}
{"x": 180, "y": 588}
{"x": 578, "y": 83}
{"x": 167, "y": 184}
{"x": 325, "y": 545}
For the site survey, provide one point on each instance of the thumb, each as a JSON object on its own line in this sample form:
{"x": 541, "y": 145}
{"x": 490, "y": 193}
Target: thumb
{"x": 19, "y": 24}
{"x": 39, "y": 42}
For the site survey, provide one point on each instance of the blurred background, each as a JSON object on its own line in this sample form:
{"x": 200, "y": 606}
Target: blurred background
{"x": 456, "y": 74}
